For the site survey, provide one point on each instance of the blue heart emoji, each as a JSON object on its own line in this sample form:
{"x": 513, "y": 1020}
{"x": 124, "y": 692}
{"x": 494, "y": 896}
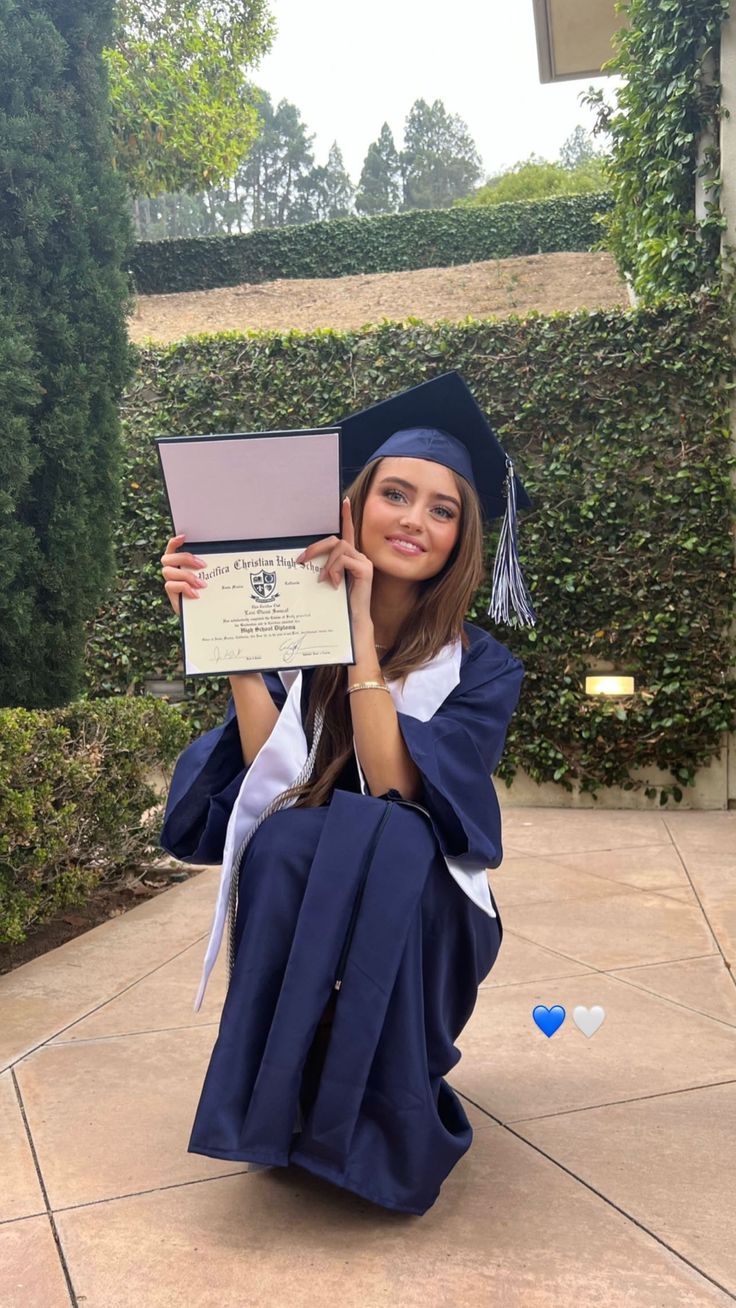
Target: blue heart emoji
{"x": 548, "y": 1020}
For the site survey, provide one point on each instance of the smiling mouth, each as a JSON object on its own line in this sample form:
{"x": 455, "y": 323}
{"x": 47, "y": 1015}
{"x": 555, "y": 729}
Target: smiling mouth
{"x": 405, "y": 546}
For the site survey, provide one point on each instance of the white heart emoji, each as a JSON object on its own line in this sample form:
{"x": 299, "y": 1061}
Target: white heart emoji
{"x": 588, "y": 1020}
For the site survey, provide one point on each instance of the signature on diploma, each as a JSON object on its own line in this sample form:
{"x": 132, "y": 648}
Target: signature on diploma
{"x": 290, "y": 647}
{"x": 226, "y": 653}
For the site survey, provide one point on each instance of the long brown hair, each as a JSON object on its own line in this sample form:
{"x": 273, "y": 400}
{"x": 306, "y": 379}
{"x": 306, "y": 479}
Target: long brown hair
{"x": 440, "y": 608}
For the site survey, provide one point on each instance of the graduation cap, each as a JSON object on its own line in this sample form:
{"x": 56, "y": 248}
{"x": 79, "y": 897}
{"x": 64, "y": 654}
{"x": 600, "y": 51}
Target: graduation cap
{"x": 440, "y": 420}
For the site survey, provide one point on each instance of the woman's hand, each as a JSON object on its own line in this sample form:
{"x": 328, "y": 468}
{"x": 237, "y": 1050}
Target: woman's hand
{"x": 179, "y": 579}
{"x": 343, "y": 557}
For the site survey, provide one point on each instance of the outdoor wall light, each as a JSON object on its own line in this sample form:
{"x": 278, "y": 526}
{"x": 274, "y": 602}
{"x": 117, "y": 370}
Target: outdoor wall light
{"x": 603, "y": 677}
{"x": 609, "y": 684}
{"x": 173, "y": 691}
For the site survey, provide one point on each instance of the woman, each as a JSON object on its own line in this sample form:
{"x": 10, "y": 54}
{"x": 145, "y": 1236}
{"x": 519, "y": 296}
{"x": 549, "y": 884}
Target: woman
{"x": 363, "y": 923}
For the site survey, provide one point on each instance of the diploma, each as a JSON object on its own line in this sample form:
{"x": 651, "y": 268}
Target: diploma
{"x": 261, "y": 610}
{"x": 249, "y": 503}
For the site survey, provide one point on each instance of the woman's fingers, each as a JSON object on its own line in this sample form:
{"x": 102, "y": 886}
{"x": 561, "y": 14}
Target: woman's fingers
{"x": 178, "y": 558}
{"x": 318, "y": 547}
{"x": 183, "y": 574}
{"x": 334, "y": 565}
{"x": 173, "y": 590}
{"x": 181, "y": 561}
{"x": 345, "y": 558}
{"x": 348, "y": 529}
{"x": 176, "y": 568}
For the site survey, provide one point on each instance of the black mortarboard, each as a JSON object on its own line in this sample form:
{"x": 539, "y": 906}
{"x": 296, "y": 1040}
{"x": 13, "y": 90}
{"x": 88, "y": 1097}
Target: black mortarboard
{"x": 440, "y": 420}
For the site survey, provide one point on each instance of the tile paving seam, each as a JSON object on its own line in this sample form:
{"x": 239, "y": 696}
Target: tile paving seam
{"x": 125, "y": 1035}
{"x": 615, "y": 967}
{"x": 567, "y": 958}
{"x": 595, "y": 899}
{"x": 27, "y": 1217}
{"x": 704, "y": 911}
{"x": 543, "y": 980}
{"x": 137, "y": 1194}
{"x": 14, "y": 1061}
{"x": 609, "y": 1202}
{"x": 719, "y": 947}
{"x": 714, "y": 811}
{"x": 686, "y": 1008}
{"x": 530, "y": 852}
{"x": 608, "y": 1103}
{"x": 691, "y": 958}
{"x": 44, "y": 1193}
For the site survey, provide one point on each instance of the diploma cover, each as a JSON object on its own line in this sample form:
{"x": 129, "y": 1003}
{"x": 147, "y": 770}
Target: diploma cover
{"x": 249, "y": 503}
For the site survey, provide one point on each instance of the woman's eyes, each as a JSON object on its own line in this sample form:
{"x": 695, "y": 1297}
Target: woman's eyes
{"x": 439, "y": 508}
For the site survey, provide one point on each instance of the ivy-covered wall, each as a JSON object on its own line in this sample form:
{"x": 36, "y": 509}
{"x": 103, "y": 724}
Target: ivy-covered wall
{"x": 667, "y": 106}
{"x": 618, "y": 423}
{"x": 434, "y": 238}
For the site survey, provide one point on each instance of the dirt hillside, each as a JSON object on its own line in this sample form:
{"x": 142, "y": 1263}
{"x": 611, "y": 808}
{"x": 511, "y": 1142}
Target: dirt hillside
{"x": 479, "y": 290}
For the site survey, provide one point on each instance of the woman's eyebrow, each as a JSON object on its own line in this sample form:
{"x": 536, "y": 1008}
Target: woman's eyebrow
{"x": 408, "y": 486}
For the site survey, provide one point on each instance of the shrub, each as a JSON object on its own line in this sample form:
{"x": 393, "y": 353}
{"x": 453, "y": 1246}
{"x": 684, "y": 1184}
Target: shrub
{"x": 74, "y": 788}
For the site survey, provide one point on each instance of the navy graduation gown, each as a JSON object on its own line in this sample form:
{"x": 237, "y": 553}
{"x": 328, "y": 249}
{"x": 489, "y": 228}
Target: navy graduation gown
{"x": 377, "y": 1117}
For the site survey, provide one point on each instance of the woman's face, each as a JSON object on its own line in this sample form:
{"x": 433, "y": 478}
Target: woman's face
{"x": 411, "y": 518}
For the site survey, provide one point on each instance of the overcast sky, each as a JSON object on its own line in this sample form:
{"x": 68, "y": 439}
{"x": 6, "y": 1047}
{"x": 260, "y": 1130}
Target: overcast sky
{"x": 350, "y": 65}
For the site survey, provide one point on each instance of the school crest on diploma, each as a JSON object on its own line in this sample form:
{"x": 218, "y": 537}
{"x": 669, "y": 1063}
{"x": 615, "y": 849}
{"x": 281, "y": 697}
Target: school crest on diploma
{"x": 264, "y": 584}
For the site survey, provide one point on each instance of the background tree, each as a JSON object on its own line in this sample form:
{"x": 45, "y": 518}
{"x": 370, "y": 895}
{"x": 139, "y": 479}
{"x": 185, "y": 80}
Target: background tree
{"x": 267, "y": 184}
{"x": 535, "y": 179}
{"x": 379, "y": 188}
{"x": 339, "y": 191}
{"x": 183, "y": 110}
{"x": 579, "y": 148}
{"x": 326, "y": 191}
{"x": 172, "y": 214}
{"x": 64, "y": 356}
{"x": 440, "y": 162}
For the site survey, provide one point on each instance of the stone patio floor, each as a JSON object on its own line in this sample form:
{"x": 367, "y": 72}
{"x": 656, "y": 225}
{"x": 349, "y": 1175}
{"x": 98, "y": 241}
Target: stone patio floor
{"x": 602, "y": 1168}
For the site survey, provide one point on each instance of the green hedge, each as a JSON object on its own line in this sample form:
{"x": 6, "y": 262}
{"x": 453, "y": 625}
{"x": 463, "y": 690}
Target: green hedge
{"x": 434, "y": 238}
{"x": 619, "y": 425}
{"x": 73, "y": 792}
{"x": 65, "y": 238}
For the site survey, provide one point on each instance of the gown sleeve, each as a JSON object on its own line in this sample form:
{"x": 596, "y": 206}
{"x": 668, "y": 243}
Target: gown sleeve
{"x": 205, "y": 783}
{"x": 460, "y": 746}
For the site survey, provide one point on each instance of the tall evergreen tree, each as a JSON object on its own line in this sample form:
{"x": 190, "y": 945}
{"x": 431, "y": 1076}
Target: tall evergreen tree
{"x": 326, "y": 191}
{"x": 310, "y": 203}
{"x": 440, "y": 162}
{"x": 379, "y": 189}
{"x": 65, "y": 238}
{"x": 580, "y": 147}
{"x": 339, "y": 190}
{"x": 267, "y": 186}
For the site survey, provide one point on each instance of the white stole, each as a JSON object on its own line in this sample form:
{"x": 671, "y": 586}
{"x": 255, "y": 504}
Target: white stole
{"x": 282, "y": 757}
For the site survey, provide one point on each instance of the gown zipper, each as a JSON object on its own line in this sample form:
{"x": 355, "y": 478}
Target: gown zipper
{"x": 392, "y": 797}
{"x": 367, "y": 860}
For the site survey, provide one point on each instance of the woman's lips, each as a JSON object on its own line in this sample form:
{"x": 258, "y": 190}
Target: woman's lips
{"x": 404, "y": 546}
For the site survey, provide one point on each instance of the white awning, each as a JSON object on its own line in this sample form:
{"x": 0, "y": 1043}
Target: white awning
{"x": 574, "y": 37}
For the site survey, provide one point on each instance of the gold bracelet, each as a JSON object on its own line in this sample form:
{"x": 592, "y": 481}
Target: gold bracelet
{"x": 367, "y": 685}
